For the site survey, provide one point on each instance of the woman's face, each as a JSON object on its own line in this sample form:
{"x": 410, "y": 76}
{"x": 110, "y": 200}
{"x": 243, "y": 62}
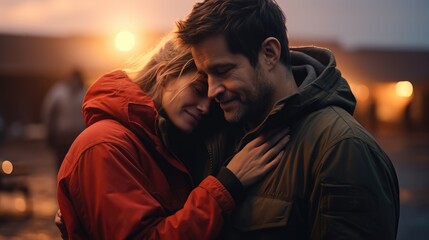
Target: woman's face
{"x": 185, "y": 102}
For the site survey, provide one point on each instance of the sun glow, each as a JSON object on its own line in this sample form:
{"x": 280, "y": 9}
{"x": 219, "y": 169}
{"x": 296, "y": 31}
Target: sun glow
{"x": 125, "y": 41}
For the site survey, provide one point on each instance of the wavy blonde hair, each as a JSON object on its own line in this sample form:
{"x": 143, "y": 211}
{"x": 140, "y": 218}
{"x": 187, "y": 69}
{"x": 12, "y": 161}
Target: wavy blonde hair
{"x": 167, "y": 61}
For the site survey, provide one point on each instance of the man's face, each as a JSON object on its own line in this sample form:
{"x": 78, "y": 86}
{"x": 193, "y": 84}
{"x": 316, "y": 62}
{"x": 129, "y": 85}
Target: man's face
{"x": 242, "y": 91}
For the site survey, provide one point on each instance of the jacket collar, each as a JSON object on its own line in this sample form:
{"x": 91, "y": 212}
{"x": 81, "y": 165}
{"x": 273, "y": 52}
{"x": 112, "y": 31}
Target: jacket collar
{"x": 115, "y": 96}
{"x": 320, "y": 84}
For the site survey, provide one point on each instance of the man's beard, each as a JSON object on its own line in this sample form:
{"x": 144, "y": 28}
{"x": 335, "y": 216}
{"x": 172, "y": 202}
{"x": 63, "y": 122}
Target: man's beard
{"x": 258, "y": 103}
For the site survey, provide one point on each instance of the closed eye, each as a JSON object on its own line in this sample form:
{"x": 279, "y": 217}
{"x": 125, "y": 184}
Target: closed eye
{"x": 221, "y": 70}
{"x": 200, "y": 88}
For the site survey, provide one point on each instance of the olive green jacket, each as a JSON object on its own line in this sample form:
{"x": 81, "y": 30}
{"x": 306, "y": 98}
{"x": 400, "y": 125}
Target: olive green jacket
{"x": 334, "y": 182}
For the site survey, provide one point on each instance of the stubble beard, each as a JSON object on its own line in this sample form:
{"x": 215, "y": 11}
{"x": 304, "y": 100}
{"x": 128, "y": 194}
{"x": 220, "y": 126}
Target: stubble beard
{"x": 237, "y": 115}
{"x": 257, "y": 104}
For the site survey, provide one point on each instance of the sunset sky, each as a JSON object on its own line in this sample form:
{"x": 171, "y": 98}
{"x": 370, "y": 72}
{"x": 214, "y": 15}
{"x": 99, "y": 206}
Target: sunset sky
{"x": 352, "y": 23}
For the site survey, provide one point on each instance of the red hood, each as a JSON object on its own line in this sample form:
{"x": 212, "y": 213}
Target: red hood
{"x": 115, "y": 96}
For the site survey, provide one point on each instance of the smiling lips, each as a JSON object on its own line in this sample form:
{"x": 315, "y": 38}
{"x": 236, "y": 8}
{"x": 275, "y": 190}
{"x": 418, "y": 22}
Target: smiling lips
{"x": 225, "y": 100}
{"x": 226, "y": 104}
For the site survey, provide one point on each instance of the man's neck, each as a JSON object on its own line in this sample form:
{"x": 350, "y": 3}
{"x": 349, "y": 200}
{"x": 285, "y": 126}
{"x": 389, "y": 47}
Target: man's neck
{"x": 284, "y": 86}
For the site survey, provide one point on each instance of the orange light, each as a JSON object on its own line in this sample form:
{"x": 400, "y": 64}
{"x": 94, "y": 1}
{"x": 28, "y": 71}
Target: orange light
{"x": 404, "y": 89}
{"x": 7, "y": 167}
{"x": 391, "y": 100}
{"x": 20, "y": 204}
{"x": 361, "y": 92}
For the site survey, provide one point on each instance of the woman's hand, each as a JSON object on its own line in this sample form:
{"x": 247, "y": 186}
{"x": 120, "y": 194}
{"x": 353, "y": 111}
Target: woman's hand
{"x": 60, "y": 224}
{"x": 259, "y": 156}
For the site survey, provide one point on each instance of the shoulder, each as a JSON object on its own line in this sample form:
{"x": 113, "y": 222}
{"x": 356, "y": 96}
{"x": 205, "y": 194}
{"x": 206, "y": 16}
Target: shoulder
{"x": 56, "y": 92}
{"x": 107, "y": 130}
{"x": 332, "y": 133}
{"x": 332, "y": 129}
{"x": 333, "y": 124}
{"x": 103, "y": 138}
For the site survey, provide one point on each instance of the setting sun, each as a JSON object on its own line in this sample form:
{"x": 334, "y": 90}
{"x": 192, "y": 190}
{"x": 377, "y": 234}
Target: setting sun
{"x": 125, "y": 41}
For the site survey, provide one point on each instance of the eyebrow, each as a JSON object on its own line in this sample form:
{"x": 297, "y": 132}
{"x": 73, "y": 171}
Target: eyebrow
{"x": 213, "y": 67}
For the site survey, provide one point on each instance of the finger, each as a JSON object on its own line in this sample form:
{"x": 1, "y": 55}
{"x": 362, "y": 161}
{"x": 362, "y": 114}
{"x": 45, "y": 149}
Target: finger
{"x": 57, "y": 218}
{"x": 282, "y": 142}
{"x": 270, "y": 165}
{"x": 275, "y": 149}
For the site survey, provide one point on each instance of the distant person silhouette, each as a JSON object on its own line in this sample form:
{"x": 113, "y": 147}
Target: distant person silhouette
{"x": 2, "y": 129}
{"x": 62, "y": 114}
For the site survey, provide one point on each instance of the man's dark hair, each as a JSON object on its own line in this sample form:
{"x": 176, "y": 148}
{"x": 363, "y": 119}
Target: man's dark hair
{"x": 244, "y": 23}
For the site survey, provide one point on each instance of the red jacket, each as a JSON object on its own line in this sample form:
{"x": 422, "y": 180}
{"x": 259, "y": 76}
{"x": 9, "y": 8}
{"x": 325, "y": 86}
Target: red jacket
{"x": 119, "y": 182}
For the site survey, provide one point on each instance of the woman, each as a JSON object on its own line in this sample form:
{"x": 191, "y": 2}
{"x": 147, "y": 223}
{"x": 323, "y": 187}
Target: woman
{"x": 119, "y": 181}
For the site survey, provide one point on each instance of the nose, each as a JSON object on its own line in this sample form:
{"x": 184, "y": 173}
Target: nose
{"x": 214, "y": 88}
{"x": 204, "y": 106}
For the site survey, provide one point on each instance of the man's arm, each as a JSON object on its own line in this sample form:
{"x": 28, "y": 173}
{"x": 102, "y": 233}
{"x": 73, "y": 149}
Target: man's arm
{"x": 356, "y": 193}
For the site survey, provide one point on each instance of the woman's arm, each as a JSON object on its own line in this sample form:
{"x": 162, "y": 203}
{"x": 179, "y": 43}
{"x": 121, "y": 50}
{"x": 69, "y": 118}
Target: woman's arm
{"x": 106, "y": 191}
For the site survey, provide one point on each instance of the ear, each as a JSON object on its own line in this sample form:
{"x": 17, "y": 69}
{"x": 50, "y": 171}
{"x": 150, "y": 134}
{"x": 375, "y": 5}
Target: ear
{"x": 271, "y": 50}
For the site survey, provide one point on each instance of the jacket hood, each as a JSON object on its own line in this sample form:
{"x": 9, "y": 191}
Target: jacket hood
{"x": 320, "y": 84}
{"x": 115, "y": 96}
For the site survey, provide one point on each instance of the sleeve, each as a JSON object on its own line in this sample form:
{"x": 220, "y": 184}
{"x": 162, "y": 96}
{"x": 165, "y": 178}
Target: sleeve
{"x": 356, "y": 194}
{"x": 232, "y": 184}
{"x": 114, "y": 204}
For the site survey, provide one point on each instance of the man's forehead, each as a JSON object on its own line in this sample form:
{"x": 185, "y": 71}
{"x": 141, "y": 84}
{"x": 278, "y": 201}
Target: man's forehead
{"x": 215, "y": 45}
{"x": 203, "y": 59}
{"x": 211, "y": 53}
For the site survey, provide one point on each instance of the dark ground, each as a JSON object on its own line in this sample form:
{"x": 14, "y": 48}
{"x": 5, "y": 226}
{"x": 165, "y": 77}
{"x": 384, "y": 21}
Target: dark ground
{"x": 409, "y": 153}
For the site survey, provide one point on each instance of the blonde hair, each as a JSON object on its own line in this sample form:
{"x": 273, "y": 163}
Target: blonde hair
{"x": 168, "y": 60}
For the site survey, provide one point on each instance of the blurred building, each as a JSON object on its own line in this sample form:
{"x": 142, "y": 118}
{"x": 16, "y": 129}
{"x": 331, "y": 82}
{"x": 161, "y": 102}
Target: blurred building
{"x": 391, "y": 86}
{"x": 30, "y": 65}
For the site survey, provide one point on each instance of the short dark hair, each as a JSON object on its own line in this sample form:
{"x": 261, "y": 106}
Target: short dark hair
{"x": 244, "y": 23}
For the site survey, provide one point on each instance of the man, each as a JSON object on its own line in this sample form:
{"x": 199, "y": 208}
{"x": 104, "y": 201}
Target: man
{"x": 334, "y": 182}
{"x": 62, "y": 114}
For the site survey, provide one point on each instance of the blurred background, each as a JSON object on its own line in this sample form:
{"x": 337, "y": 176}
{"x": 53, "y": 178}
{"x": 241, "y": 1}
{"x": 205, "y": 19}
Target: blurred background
{"x": 382, "y": 48}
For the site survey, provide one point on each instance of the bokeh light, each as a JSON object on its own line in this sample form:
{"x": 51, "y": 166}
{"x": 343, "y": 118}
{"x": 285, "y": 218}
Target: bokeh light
{"x": 7, "y": 167}
{"x": 361, "y": 92}
{"x": 20, "y": 204}
{"x": 404, "y": 89}
{"x": 125, "y": 41}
